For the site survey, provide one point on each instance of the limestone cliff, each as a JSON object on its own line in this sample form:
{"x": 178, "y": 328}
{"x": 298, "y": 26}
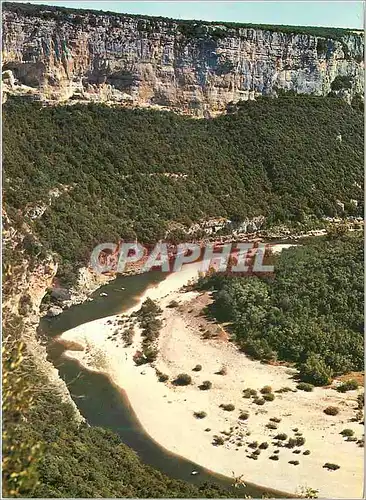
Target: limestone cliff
{"x": 190, "y": 67}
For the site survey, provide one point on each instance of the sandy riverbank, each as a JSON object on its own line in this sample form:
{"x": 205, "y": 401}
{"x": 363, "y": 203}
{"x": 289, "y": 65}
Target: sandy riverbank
{"x": 167, "y": 412}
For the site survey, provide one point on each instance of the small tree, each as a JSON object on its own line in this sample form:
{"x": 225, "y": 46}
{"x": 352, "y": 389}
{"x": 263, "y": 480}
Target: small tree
{"x": 315, "y": 371}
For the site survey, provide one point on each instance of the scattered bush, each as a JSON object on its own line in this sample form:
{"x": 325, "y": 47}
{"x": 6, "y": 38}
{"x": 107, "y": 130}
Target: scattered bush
{"x": 306, "y": 452}
{"x": 228, "y": 407}
{"x": 263, "y": 446}
{"x": 348, "y": 385}
{"x": 341, "y": 82}
{"x": 200, "y": 414}
{"x": 253, "y": 444}
{"x": 281, "y": 437}
{"x": 266, "y": 389}
{"x": 163, "y": 377}
{"x": 244, "y": 415}
{"x": 183, "y": 379}
{"x": 150, "y": 354}
{"x": 284, "y": 389}
{"x": 206, "y": 385}
{"x": 248, "y": 393}
{"x": 297, "y": 452}
{"x": 360, "y": 401}
{"x": 256, "y": 452}
{"x": 222, "y": 371}
{"x": 294, "y": 462}
{"x": 173, "y": 303}
{"x": 218, "y": 441}
{"x": 275, "y": 419}
{"x": 259, "y": 401}
{"x": 197, "y": 368}
{"x": 269, "y": 397}
{"x": 331, "y": 410}
{"x": 291, "y": 443}
{"x": 331, "y": 466}
{"x": 352, "y": 439}
{"x": 272, "y": 425}
{"x": 358, "y": 416}
{"x": 274, "y": 457}
{"x": 347, "y": 432}
{"x": 300, "y": 441}
{"x": 139, "y": 358}
{"x": 128, "y": 335}
{"x": 304, "y": 386}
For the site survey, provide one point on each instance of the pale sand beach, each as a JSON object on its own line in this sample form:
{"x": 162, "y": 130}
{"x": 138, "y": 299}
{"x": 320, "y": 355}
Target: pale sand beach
{"x": 166, "y": 412}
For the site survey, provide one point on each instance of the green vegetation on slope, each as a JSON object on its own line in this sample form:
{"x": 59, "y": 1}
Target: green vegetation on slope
{"x": 281, "y": 158}
{"x": 309, "y": 313}
{"x": 190, "y": 28}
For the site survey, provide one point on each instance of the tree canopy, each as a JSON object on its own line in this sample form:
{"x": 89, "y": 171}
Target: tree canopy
{"x": 309, "y": 313}
{"x": 123, "y": 173}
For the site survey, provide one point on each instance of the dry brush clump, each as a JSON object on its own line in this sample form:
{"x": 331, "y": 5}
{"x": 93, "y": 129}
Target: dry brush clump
{"x": 227, "y": 407}
{"x": 222, "y": 371}
{"x": 305, "y": 386}
{"x": 200, "y": 414}
{"x": 183, "y": 379}
{"x": 347, "y": 432}
{"x": 331, "y": 466}
{"x": 331, "y": 410}
{"x": 281, "y": 436}
{"x": 348, "y": 385}
{"x": 249, "y": 393}
{"x": 218, "y": 441}
{"x": 271, "y": 425}
{"x": 205, "y": 386}
{"x": 267, "y": 389}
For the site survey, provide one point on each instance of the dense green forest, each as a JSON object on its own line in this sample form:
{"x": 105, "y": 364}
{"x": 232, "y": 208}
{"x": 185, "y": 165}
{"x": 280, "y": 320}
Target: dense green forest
{"x": 281, "y": 158}
{"x": 309, "y": 313}
{"x": 190, "y": 28}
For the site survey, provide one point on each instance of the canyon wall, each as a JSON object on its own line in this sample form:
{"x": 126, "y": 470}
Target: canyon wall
{"x": 195, "y": 68}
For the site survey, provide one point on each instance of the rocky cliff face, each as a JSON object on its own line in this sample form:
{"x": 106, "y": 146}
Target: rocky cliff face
{"x": 25, "y": 284}
{"x": 191, "y": 68}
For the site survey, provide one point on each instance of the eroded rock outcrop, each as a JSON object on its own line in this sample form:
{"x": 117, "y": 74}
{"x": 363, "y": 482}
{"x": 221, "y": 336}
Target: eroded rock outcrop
{"x": 193, "y": 68}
